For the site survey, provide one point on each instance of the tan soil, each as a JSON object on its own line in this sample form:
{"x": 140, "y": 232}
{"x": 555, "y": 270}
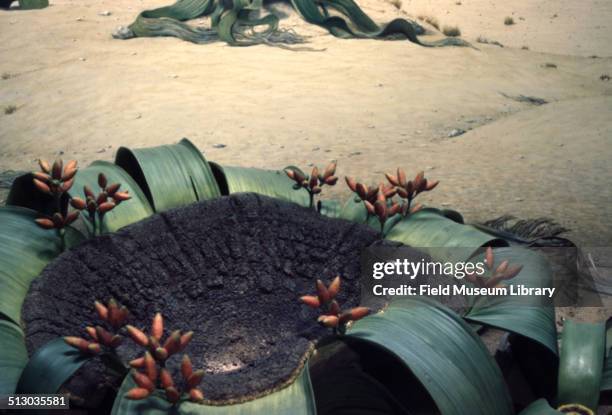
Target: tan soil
{"x": 372, "y": 105}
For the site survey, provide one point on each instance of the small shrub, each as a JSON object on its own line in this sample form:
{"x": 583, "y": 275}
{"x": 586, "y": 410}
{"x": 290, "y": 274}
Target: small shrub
{"x": 396, "y": 3}
{"x": 508, "y": 21}
{"x": 484, "y": 40}
{"x": 9, "y": 109}
{"x": 6, "y": 75}
{"x": 451, "y": 31}
{"x": 430, "y": 20}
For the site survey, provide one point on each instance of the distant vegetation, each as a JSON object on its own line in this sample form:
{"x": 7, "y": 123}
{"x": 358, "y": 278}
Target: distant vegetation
{"x": 9, "y": 109}
{"x": 508, "y": 21}
{"x": 484, "y": 40}
{"x": 451, "y": 31}
{"x": 431, "y": 20}
{"x": 396, "y": 3}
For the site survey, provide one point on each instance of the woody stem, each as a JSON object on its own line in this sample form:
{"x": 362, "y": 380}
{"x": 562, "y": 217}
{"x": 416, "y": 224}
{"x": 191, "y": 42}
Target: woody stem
{"x": 57, "y": 198}
{"x": 62, "y": 237}
{"x": 409, "y": 205}
{"x": 92, "y": 219}
{"x": 115, "y": 363}
{"x": 100, "y": 221}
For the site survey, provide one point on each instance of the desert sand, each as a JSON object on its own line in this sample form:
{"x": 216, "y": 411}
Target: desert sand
{"x": 372, "y": 105}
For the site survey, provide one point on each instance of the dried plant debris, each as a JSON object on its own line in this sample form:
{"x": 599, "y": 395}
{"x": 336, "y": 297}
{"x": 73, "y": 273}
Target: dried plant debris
{"x": 484, "y": 40}
{"x": 396, "y": 3}
{"x": 526, "y": 99}
{"x": 526, "y": 230}
{"x": 231, "y": 269}
{"x": 430, "y": 20}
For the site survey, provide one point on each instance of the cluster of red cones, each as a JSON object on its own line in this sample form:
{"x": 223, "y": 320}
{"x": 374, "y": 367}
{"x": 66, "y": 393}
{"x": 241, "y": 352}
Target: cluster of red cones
{"x": 332, "y": 316}
{"x": 149, "y": 371}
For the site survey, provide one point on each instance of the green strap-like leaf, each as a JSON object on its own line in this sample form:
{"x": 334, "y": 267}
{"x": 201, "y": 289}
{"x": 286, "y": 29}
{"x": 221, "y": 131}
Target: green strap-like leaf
{"x": 330, "y": 208}
{"x": 606, "y": 379}
{"x": 130, "y": 211}
{"x": 33, "y": 4}
{"x": 153, "y": 405}
{"x": 25, "y": 249}
{"x": 295, "y": 399}
{"x": 354, "y": 211}
{"x": 273, "y": 183}
{"x": 171, "y": 175}
{"x": 50, "y": 367}
{"x": 13, "y": 356}
{"x": 539, "y": 407}
{"x": 444, "y": 239}
{"x": 24, "y": 193}
{"x": 515, "y": 314}
{"x": 443, "y": 352}
{"x": 581, "y": 364}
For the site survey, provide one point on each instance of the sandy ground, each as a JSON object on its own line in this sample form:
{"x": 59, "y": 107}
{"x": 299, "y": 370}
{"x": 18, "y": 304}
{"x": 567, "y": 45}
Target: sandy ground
{"x": 372, "y": 105}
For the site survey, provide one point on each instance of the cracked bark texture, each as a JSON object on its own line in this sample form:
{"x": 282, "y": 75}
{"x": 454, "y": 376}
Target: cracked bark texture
{"x": 231, "y": 269}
